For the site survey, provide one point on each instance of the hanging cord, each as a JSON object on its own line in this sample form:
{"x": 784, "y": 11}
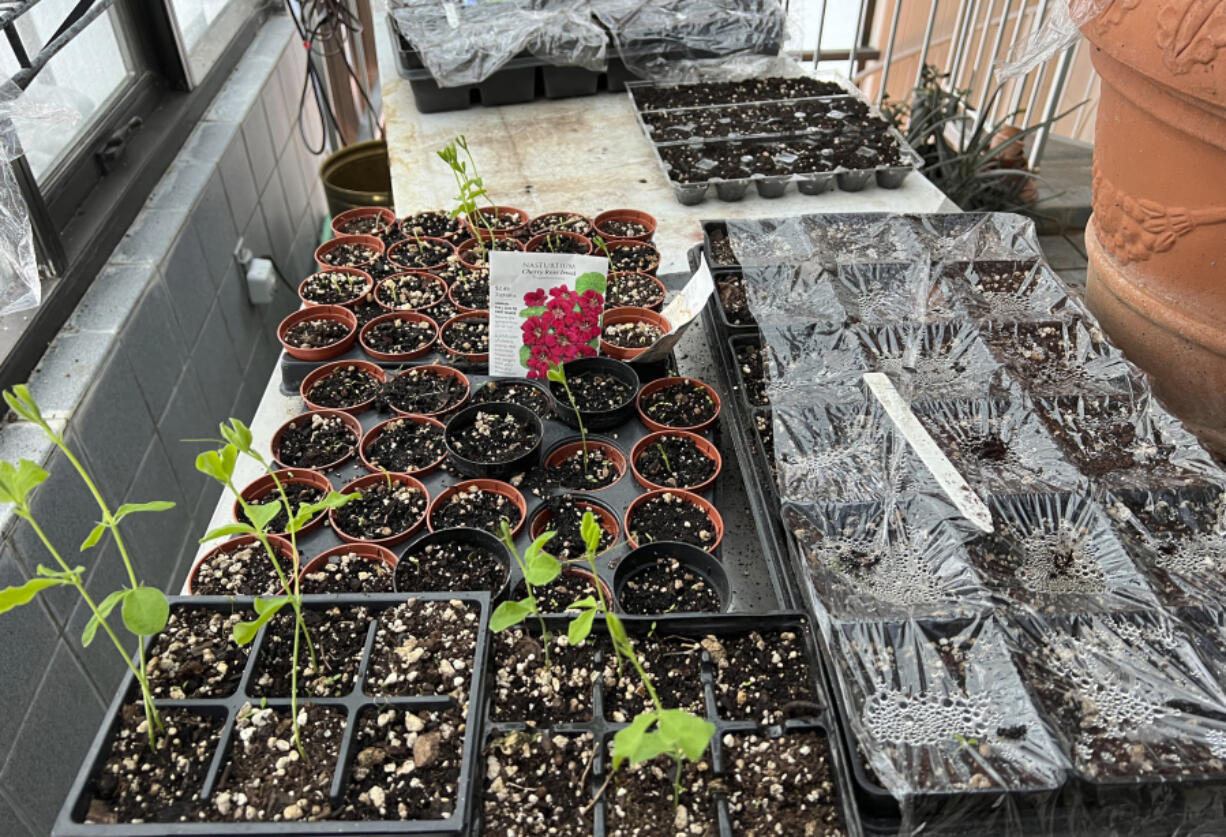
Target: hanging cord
{"x": 312, "y": 79}
{"x": 333, "y": 22}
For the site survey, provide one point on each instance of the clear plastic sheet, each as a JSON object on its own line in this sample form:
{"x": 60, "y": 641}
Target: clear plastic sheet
{"x": 1058, "y": 30}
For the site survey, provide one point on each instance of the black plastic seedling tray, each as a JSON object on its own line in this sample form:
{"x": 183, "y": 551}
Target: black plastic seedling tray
{"x": 70, "y": 822}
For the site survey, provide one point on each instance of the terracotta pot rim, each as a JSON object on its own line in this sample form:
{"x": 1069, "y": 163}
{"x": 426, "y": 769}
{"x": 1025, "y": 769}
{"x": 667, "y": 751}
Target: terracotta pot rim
{"x": 655, "y": 306}
{"x": 336, "y": 313}
{"x": 372, "y": 241}
{"x": 541, "y": 239}
{"x": 634, "y": 242}
{"x": 380, "y": 553}
{"x": 449, "y": 371}
{"x": 361, "y": 212}
{"x": 351, "y": 271}
{"x": 376, "y": 431}
{"x": 590, "y": 225}
{"x": 712, "y": 513}
{"x": 486, "y": 484}
{"x": 261, "y": 485}
{"x": 500, "y": 209}
{"x": 630, "y": 314}
{"x": 277, "y": 541}
{"x": 320, "y": 372}
{"x": 472, "y": 357}
{"x": 393, "y": 357}
{"x": 464, "y": 248}
{"x": 630, "y": 215}
{"x": 605, "y": 515}
{"x": 705, "y": 445}
{"x": 374, "y": 291}
{"x": 573, "y": 443}
{"x": 349, "y": 420}
{"x": 370, "y": 479}
{"x": 428, "y": 268}
{"x": 659, "y": 384}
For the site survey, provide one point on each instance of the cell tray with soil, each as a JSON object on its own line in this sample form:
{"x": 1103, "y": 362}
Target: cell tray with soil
{"x": 1013, "y": 291}
{"x": 800, "y": 117}
{"x": 730, "y": 295}
{"x": 651, "y": 97}
{"x": 520, "y": 765}
{"x": 211, "y": 664}
{"x": 674, "y": 664}
{"x": 1063, "y": 358}
{"x": 338, "y": 634}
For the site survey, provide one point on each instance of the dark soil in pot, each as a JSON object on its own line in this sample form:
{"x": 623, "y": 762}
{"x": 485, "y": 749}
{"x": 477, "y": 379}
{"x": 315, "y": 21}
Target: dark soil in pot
{"x": 730, "y": 92}
{"x": 679, "y": 405}
{"x": 315, "y": 441}
{"x": 639, "y": 800}
{"x": 675, "y": 462}
{"x": 384, "y": 510}
{"x": 316, "y": 334}
{"x": 421, "y": 391}
{"x": 1099, "y": 434}
{"x": 404, "y": 446}
{"x": 494, "y": 437}
{"x": 298, "y": 494}
{"x": 497, "y": 221}
{"x": 731, "y": 290}
{"x": 366, "y": 309}
{"x": 617, "y": 228}
{"x": 721, "y": 248}
{"x": 397, "y": 337}
{"x": 674, "y": 665}
{"x": 333, "y": 287}
{"x": 450, "y": 566}
{"x": 567, "y": 544}
{"x": 762, "y": 677}
{"x": 346, "y": 574}
{"x": 595, "y": 392}
{"x": 265, "y": 779}
{"x": 538, "y": 784}
{"x": 561, "y": 222}
{"x": 478, "y": 256}
{"x": 407, "y": 765}
{"x": 419, "y": 254}
{"x": 441, "y": 312}
{"x": 559, "y": 594}
{"x": 409, "y": 291}
{"x": 374, "y": 224}
{"x": 668, "y": 586}
{"x": 524, "y": 690}
{"x": 468, "y": 336}
{"x": 348, "y": 386}
{"x": 571, "y": 473}
{"x": 633, "y": 257}
{"x": 799, "y": 762}
{"x": 511, "y": 392}
{"x": 633, "y": 289}
{"x": 553, "y": 244}
{"x": 472, "y": 292}
{"x": 244, "y": 571}
{"x": 667, "y": 517}
{"x": 752, "y": 362}
{"x": 479, "y": 509}
{"x": 433, "y": 224}
{"x": 382, "y": 268}
{"x": 338, "y": 635}
{"x": 206, "y": 662}
{"x": 349, "y": 255}
{"x": 159, "y": 785}
{"x": 424, "y": 648}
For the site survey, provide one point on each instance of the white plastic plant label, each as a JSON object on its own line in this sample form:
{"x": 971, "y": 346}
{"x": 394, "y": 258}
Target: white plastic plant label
{"x": 545, "y": 308}
{"x": 687, "y": 305}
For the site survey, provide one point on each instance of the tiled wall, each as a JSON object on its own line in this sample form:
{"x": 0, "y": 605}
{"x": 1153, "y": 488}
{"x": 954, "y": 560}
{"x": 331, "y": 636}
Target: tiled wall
{"x": 164, "y": 346}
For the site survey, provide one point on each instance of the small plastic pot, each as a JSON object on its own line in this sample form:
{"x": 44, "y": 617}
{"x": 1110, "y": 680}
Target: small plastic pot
{"x": 398, "y": 357}
{"x": 471, "y": 537}
{"x": 535, "y": 226}
{"x": 465, "y": 249}
{"x": 630, "y": 315}
{"x": 661, "y": 290}
{"x": 279, "y": 544}
{"x": 358, "y": 213}
{"x": 479, "y": 228}
{"x": 628, "y": 242}
{"x": 373, "y": 242}
{"x": 494, "y": 470}
{"x": 430, "y": 277}
{"x": 363, "y": 549}
{"x": 563, "y": 451}
{"x": 575, "y": 571}
{"x": 377, "y": 431}
{"x": 375, "y": 479}
{"x": 317, "y": 375}
{"x": 493, "y": 486}
{"x": 632, "y": 215}
{"x": 262, "y": 487}
{"x": 471, "y": 357}
{"x": 659, "y": 384}
{"x": 595, "y": 419}
{"x": 394, "y": 251}
{"x": 713, "y": 515}
{"x": 355, "y": 427}
{"x": 445, "y": 371}
{"x": 704, "y": 445}
{"x": 335, "y": 313}
{"x": 605, "y": 517}
{"x": 540, "y": 243}
{"x": 698, "y": 561}
{"x": 351, "y": 271}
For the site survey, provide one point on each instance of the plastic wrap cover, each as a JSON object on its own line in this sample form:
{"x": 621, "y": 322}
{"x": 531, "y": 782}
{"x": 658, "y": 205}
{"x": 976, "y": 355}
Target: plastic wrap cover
{"x": 465, "y": 43}
{"x": 1058, "y": 30}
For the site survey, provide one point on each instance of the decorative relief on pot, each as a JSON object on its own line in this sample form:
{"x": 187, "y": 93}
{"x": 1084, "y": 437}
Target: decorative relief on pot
{"x": 1134, "y": 229}
{"x": 1189, "y": 32}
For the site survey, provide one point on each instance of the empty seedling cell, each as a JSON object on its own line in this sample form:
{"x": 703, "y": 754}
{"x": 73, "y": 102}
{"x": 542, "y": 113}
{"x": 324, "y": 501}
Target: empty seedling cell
{"x": 1063, "y": 358}
{"x": 1012, "y": 291}
{"x": 883, "y": 293}
{"x": 939, "y": 362}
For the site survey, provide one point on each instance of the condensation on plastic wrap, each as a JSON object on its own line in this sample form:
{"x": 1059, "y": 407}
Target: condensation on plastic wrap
{"x": 787, "y": 291}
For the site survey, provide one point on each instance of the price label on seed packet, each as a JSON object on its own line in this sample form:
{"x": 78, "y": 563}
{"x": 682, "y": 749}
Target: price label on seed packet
{"x": 544, "y": 308}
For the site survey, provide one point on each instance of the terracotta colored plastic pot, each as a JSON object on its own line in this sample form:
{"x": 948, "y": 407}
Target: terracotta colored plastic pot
{"x": 697, "y": 561}
{"x": 428, "y": 277}
{"x": 464, "y": 251}
{"x": 448, "y": 372}
{"x": 479, "y": 228}
{"x": 661, "y": 383}
{"x": 704, "y": 445}
{"x": 378, "y": 430}
{"x": 461, "y": 307}
{"x": 316, "y": 375}
{"x": 358, "y": 213}
{"x": 398, "y": 357}
{"x": 468, "y": 537}
{"x": 717, "y": 522}
{"x": 541, "y": 243}
{"x": 363, "y": 549}
{"x": 493, "y": 486}
{"x": 355, "y": 427}
{"x": 615, "y": 244}
{"x": 395, "y": 250}
{"x": 263, "y": 487}
{"x": 471, "y": 357}
{"x": 661, "y": 291}
{"x": 629, "y": 315}
{"x": 376, "y": 479}
{"x": 606, "y": 518}
{"x": 335, "y": 313}
{"x": 350, "y": 271}
{"x": 547, "y": 223}
{"x": 565, "y": 450}
{"x": 279, "y": 544}
{"x": 576, "y": 571}
{"x": 633, "y": 216}
{"x": 373, "y": 242}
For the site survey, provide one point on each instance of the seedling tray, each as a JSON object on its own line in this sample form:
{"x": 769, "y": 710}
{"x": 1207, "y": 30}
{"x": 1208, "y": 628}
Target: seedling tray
{"x": 70, "y": 822}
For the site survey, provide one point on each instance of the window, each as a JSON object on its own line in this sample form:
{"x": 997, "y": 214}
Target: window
{"x": 204, "y": 27}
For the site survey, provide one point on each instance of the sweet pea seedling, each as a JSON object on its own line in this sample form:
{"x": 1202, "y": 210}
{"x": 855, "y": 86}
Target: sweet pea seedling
{"x": 538, "y": 568}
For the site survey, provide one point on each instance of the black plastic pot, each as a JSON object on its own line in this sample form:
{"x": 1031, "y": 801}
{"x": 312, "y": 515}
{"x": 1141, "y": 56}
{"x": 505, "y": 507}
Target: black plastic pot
{"x": 493, "y": 470}
{"x": 698, "y": 561}
{"x": 595, "y": 419}
{"x": 464, "y": 535}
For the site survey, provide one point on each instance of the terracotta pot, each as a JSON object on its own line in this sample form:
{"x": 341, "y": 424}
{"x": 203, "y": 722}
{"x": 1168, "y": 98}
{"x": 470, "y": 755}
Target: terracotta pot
{"x": 429, "y": 277}
{"x": 541, "y": 243}
{"x": 547, "y": 223}
{"x": 398, "y": 357}
{"x": 351, "y": 271}
{"x": 335, "y": 313}
{"x": 606, "y": 518}
{"x": 377, "y": 431}
{"x": 471, "y": 357}
{"x": 279, "y": 544}
{"x": 717, "y": 522}
{"x": 394, "y": 251}
{"x": 660, "y": 289}
{"x": 632, "y": 215}
{"x": 355, "y": 427}
{"x": 375, "y": 479}
{"x": 629, "y": 315}
{"x": 373, "y": 242}
{"x": 1157, "y": 278}
{"x": 704, "y": 445}
{"x": 461, "y": 307}
{"x": 449, "y": 372}
{"x": 363, "y": 549}
{"x": 464, "y": 250}
{"x": 661, "y": 383}
{"x": 612, "y": 453}
{"x": 316, "y": 375}
{"x": 578, "y": 572}
{"x": 479, "y": 229}
{"x": 494, "y": 486}
{"x": 262, "y": 487}
{"x": 386, "y": 215}
{"x": 613, "y": 246}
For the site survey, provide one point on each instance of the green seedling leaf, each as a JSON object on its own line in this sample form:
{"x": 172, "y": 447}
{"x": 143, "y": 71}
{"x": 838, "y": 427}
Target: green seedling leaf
{"x": 540, "y": 568}
{"x": 629, "y": 740}
{"x": 581, "y": 626}
{"x": 262, "y": 514}
{"x": 95, "y": 535}
{"x": 244, "y": 632}
{"x": 508, "y": 614}
{"x": 23, "y": 404}
{"x": 145, "y": 610}
{"x": 685, "y": 732}
{"x": 555, "y": 374}
{"x": 218, "y": 464}
{"x": 228, "y": 530}
{"x": 237, "y": 434}
{"x": 69, "y": 576}
{"x": 104, "y": 610}
{"x": 617, "y": 632}
{"x": 11, "y": 597}
{"x": 591, "y": 532}
{"x": 17, "y": 481}
{"x": 152, "y": 506}
{"x": 591, "y": 282}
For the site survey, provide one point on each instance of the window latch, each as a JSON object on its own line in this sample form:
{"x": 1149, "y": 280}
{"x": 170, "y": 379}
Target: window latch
{"x": 112, "y": 151}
